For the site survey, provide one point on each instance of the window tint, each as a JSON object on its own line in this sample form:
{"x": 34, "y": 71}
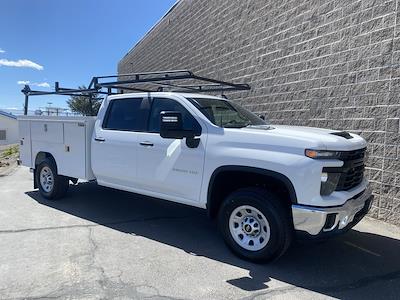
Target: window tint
{"x": 127, "y": 114}
{"x": 226, "y": 114}
{"x": 3, "y": 135}
{"x": 164, "y": 104}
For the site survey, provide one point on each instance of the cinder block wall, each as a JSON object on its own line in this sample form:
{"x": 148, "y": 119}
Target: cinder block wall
{"x": 332, "y": 64}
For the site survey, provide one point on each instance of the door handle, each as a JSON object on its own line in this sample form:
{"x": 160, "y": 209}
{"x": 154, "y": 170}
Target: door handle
{"x": 99, "y": 139}
{"x": 146, "y": 144}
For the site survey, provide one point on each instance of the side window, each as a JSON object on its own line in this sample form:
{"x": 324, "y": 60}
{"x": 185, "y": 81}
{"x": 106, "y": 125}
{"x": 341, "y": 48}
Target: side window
{"x": 3, "y": 135}
{"x": 165, "y": 104}
{"x": 127, "y": 114}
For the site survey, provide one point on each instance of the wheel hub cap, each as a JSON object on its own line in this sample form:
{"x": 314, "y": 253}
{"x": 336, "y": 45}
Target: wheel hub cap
{"x": 46, "y": 179}
{"x": 249, "y": 228}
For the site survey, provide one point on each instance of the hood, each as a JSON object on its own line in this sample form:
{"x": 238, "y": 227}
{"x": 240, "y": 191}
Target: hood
{"x": 304, "y": 137}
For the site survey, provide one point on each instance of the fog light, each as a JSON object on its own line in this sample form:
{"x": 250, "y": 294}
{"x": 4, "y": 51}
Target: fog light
{"x": 344, "y": 221}
{"x": 329, "y": 182}
{"x": 330, "y": 222}
{"x": 324, "y": 177}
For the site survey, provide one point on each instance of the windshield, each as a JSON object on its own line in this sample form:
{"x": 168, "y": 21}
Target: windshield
{"x": 226, "y": 114}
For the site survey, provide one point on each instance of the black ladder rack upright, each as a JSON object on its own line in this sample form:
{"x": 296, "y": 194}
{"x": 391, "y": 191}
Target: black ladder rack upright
{"x": 142, "y": 82}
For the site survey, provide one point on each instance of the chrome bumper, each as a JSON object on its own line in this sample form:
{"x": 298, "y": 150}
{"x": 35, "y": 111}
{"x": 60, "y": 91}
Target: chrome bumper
{"x": 313, "y": 220}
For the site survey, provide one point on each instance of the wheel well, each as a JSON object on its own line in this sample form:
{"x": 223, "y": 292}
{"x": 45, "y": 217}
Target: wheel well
{"x": 226, "y": 180}
{"x": 41, "y": 156}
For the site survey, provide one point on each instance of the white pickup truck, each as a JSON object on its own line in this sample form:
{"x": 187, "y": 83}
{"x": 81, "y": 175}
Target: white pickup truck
{"x": 265, "y": 183}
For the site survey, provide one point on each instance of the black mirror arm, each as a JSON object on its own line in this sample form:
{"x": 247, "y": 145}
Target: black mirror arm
{"x": 192, "y": 142}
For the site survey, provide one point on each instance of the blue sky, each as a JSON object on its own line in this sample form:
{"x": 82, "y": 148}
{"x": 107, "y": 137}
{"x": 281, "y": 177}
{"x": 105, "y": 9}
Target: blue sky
{"x": 70, "y": 41}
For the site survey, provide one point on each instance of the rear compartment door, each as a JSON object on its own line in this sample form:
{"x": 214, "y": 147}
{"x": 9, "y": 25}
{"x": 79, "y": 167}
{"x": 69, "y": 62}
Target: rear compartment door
{"x": 25, "y": 149}
{"x": 74, "y": 158}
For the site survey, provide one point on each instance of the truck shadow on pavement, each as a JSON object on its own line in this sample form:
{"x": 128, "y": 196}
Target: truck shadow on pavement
{"x": 355, "y": 265}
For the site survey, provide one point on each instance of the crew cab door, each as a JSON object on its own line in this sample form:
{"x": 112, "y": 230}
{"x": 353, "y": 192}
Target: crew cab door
{"x": 115, "y": 142}
{"x": 169, "y": 167}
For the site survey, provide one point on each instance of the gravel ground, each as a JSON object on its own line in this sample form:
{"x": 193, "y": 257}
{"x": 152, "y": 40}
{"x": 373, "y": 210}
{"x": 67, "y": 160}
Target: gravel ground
{"x": 8, "y": 163}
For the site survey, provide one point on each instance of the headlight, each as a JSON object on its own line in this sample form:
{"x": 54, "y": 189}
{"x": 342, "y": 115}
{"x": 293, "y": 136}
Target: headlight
{"x": 322, "y": 154}
{"x": 329, "y": 182}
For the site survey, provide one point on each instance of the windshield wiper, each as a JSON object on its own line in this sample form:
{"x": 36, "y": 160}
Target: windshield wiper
{"x": 234, "y": 124}
{"x": 264, "y": 126}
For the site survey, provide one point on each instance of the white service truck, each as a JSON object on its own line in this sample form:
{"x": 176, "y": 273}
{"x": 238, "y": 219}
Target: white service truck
{"x": 266, "y": 184}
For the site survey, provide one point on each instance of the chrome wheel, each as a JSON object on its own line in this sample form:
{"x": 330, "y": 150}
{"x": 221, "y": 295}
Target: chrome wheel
{"x": 249, "y": 228}
{"x": 46, "y": 179}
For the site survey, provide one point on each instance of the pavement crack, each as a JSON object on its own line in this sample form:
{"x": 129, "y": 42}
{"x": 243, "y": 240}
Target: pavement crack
{"x": 360, "y": 283}
{"x": 92, "y": 264}
{"x": 331, "y": 290}
{"x": 34, "y": 298}
{"x": 271, "y": 292}
{"x": 7, "y": 231}
{"x": 110, "y": 287}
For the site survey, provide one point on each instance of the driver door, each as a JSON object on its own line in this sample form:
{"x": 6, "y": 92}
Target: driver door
{"x": 168, "y": 167}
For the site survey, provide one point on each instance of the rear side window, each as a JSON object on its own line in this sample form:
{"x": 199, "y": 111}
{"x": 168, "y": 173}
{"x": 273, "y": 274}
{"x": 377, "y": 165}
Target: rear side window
{"x": 127, "y": 115}
{"x": 165, "y": 104}
{"x": 3, "y": 135}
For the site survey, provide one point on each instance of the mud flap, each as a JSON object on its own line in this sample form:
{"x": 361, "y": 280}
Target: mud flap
{"x": 35, "y": 184}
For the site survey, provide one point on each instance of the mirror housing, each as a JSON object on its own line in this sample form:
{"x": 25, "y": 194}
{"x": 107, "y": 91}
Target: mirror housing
{"x": 171, "y": 126}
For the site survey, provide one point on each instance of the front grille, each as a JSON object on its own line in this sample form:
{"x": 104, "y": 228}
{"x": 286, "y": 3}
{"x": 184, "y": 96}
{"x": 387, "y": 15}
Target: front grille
{"x": 352, "y": 172}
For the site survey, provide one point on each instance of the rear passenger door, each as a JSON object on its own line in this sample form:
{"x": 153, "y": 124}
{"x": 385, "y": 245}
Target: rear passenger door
{"x": 115, "y": 145}
{"x": 168, "y": 168}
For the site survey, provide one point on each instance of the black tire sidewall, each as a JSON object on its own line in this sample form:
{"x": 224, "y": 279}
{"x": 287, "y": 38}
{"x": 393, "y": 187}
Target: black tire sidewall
{"x": 266, "y": 203}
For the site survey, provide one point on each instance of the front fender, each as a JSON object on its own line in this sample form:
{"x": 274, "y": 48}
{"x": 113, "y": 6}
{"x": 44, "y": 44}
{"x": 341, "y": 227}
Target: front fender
{"x": 300, "y": 173}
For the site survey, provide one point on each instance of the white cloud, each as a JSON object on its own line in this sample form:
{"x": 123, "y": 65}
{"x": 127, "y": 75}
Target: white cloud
{"x": 2, "y": 51}
{"x": 23, "y": 82}
{"x": 41, "y": 84}
{"x": 21, "y": 63}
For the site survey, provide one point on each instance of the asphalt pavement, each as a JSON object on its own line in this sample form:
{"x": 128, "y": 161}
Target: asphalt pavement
{"x": 100, "y": 243}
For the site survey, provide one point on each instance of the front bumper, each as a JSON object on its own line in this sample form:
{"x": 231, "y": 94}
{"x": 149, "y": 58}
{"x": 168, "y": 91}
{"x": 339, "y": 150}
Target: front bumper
{"x": 318, "y": 221}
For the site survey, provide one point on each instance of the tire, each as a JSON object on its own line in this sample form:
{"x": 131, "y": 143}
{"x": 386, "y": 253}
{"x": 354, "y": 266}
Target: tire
{"x": 238, "y": 216}
{"x": 51, "y": 185}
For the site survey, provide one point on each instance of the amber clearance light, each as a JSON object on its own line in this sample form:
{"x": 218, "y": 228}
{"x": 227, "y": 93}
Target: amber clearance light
{"x": 321, "y": 154}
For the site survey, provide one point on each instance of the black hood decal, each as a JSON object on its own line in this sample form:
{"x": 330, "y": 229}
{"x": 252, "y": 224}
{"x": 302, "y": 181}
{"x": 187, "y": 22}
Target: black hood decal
{"x": 343, "y": 134}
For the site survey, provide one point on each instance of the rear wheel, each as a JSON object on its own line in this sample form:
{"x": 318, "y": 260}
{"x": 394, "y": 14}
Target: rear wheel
{"x": 51, "y": 185}
{"x": 255, "y": 224}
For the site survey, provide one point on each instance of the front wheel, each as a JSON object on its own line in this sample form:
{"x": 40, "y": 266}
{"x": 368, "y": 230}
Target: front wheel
{"x": 255, "y": 224}
{"x": 51, "y": 185}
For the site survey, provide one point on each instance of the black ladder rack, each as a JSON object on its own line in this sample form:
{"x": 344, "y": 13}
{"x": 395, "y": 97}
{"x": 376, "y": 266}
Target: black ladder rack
{"x": 173, "y": 81}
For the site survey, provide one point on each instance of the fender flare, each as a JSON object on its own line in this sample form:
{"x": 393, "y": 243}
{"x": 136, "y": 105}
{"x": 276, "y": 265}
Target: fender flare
{"x": 41, "y": 156}
{"x": 279, "y": 176}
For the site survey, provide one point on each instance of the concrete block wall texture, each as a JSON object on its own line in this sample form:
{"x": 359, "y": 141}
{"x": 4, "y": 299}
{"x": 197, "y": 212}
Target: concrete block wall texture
{"x": 323, "y": 63}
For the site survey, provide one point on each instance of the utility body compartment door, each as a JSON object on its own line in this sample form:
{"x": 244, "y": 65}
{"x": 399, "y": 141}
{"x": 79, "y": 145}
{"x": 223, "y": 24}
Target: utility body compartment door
{"x": 49, "y": 132}
{"x": 25, "y": 149}
{"x": 74, "y": 150}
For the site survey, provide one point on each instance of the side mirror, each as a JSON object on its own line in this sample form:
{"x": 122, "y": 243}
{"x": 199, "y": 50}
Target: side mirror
{"x": 171, "y": 126}
{"x": 262, "y": 117}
